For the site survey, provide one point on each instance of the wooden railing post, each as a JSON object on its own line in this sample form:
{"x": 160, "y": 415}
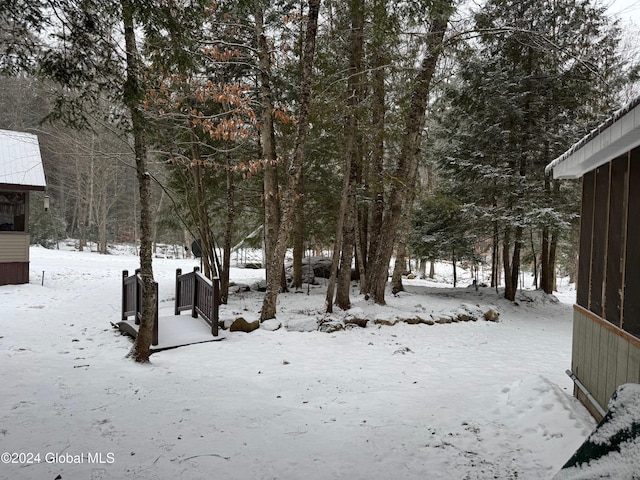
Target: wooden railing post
{"x": 125, "y": 274}
{"x": 194, "y": 311}
{"x": 178, "y": 303}
{"x": 138, "y": 299}
{"x": 215, "y": 303}
{"x": 154, "y": 340}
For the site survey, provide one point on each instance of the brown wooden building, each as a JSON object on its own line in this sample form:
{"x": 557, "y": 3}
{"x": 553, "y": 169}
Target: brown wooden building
{"x": 606, "y": 319}
{"x": 20, "y": 172}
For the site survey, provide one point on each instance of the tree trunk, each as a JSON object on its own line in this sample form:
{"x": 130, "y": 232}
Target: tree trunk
{"x": 338, "y": 244}
{"x": 345, "y": 236}
{"x": 102, "y": 218}
{"x": 346, "y": 258}
{"x": 200, "y": 212}
{"x": 351, "y": 223}
{"x": 546, "y": 282}
{"x": 399, "y": 268}
{"x": 509, "y": 288}
{"x": 495, "y": 260}
{"x": 376, "y": 173}
{"x": 515, "y": 261}
{"x": 407, "y": 161}
{"x": 549, "y": 246}
{"x": 403, "y": 236}
{"x": 360, "y": 268}
{"x": 553, "y": 248}
{"x": 422, "y": 267}
{"x": 299, "y": 220}
{"x": 267, "y": 138}
{"x": 544, "y": 260}
{"x": 298, "y": 242}
{"x": 294, "y": 172}
{"x": 455, "y": 271}
{"x": 228, "y": 231}
{"x": 511, "y": 265}
{"x": 535, "y": 262}
{"x": 140, "y": 351}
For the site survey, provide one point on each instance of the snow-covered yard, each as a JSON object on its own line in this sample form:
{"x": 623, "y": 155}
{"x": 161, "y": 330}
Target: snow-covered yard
{"x": 468, "y": 400}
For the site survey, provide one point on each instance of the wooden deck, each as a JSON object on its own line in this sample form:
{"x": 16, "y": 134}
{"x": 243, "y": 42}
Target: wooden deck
{"x": 174, "y": 331}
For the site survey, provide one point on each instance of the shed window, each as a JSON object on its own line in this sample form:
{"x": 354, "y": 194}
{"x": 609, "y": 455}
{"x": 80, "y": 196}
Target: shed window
{"x": 12, "y": 211}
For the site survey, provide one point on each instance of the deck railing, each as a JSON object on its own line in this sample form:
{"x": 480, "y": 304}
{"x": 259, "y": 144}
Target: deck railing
{"x": 200, "y": 295}
{"x": 132, "y": 293}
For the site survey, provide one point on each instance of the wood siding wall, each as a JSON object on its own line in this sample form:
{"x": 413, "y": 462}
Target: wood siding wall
{"x": 14, "y": 273}
{"x": 609, "y": 266}
{"x": 606, "y": 321}
{"x": 631, "y": 295}
{"x": 14, "y": 247}
{"x": 604, "y": 356}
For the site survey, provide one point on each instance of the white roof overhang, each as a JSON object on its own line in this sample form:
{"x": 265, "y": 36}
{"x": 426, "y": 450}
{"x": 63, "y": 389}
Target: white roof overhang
{"x": 618, "y": 135}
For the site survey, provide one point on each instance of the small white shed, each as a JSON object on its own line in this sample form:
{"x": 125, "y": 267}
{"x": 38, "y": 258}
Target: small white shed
{"x": 21, "y": 171}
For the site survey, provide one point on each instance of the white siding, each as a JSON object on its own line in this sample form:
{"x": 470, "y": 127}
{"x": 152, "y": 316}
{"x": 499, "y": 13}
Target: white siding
{"x": 604, "y": 357}
{"x": 14, "y": 247}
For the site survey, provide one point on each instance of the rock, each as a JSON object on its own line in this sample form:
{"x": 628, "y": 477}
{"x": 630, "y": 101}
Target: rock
{"x": 302, "y": 324}
{"x": 330, "y": 327}
{"x": 491, "y": 315}
{"x": 271, "y": 325}
{"x": 443, "y": 319}
{"x": 253, "y": 266}
{"x": 403, "y": 351}
{"x": 413, "y": 321}
{"x": 311, "y": 267}
{"x": 260, "y": 286}
{"x": 389, "y": 323}
{"x": 239, "y": 288}
{"x": 360, "y": 322}
{"x": 241, "y": 325}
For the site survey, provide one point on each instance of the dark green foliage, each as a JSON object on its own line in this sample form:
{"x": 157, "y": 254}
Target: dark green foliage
{"x": 20, "y": 23}
{"x": 46, "y": 228}
{"x": 538, "y": 77}
{"x": 441, "y": 229}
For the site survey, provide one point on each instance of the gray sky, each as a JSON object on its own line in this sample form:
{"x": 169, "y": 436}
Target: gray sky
{"x": 625, "y": 10}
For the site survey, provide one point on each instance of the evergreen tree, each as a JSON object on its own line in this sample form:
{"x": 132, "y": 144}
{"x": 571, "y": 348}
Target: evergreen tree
{"x": 441, "y": 230}
{"x": 538, "y": 72}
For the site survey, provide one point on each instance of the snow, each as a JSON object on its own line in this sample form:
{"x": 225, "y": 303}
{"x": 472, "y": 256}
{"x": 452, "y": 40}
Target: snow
{"x": 178, "y": 330}
{"x": 615, "y": 445}
{"x": 464, "y": 400}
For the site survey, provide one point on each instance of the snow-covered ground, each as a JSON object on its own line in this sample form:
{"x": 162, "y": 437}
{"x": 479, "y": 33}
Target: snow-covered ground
{"x": 468, "y": 400}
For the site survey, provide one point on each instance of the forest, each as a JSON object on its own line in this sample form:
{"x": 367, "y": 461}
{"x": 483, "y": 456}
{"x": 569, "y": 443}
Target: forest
{"x": 378, "y": 131}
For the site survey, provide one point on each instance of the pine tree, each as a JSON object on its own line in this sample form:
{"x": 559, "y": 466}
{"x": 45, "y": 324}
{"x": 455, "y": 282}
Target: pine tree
{"x": 517, "y": 102}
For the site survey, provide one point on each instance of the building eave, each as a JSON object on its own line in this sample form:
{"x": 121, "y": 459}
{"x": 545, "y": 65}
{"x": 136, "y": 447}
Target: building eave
{"x": 11, "y": 187}
{"x": 618, "y": 135}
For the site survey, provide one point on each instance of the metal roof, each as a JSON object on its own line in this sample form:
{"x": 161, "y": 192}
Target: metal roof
{"x": 616, "y": 136}
{"x": 20, "y": 161}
